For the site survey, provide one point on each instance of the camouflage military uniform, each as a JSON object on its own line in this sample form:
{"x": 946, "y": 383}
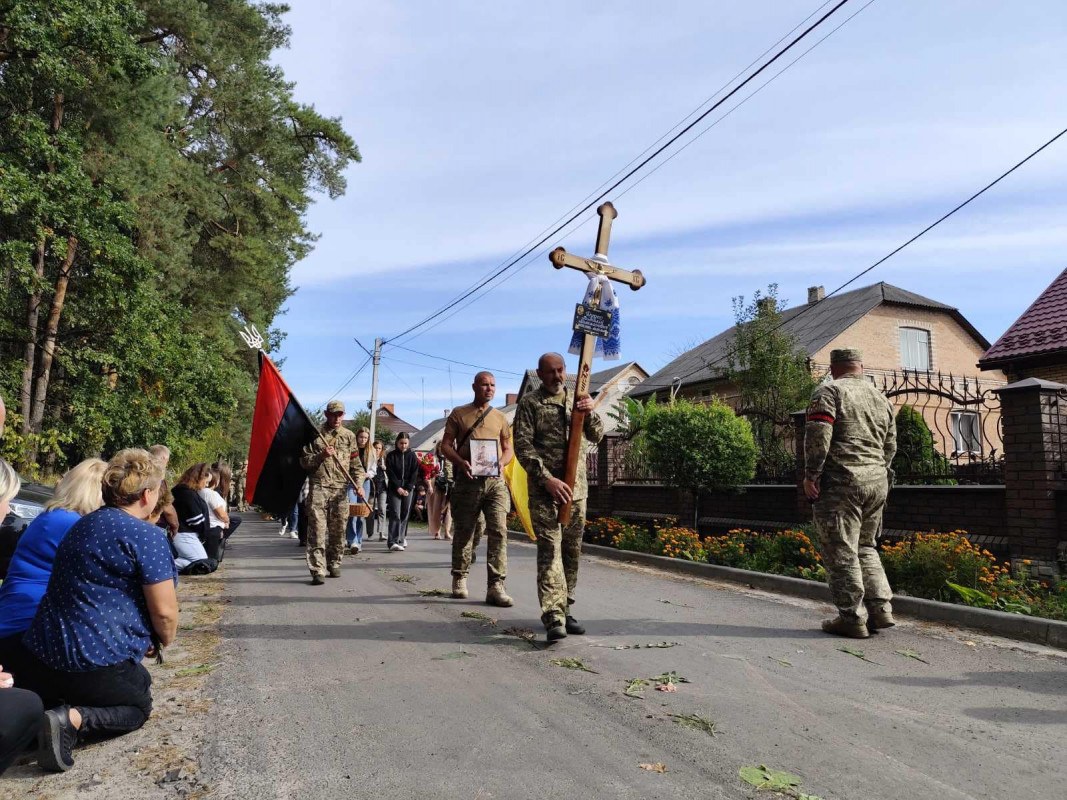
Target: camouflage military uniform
{"x": 479, "y": 500}
{"x": 542, "y": 425}
{"x": 327, "y": 500}
{"x": 849, "y": 443}
{"x": 240, "y": 478}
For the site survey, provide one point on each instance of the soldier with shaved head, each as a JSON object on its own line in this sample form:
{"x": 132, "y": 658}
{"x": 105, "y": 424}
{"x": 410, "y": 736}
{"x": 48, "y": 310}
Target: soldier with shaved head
{"x": 542, "y": 427}
{"x": 480, "y": 488}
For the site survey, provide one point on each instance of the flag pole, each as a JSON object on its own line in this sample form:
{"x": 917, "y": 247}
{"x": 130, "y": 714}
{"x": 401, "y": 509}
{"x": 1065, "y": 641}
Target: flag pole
{"x": 253, "y": 338}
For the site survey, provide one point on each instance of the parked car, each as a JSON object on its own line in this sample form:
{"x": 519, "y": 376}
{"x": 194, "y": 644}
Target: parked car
{"x": 28, "y": 503}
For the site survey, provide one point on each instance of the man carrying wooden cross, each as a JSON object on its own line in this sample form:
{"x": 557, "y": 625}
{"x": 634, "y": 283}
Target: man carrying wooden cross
{"x": 542, "y": 427}
{"x": 553, "y": 428}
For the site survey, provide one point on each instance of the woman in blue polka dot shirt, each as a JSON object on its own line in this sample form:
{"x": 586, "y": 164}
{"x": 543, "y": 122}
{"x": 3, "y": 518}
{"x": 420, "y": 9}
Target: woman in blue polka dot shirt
{"x": 110, "y": 602}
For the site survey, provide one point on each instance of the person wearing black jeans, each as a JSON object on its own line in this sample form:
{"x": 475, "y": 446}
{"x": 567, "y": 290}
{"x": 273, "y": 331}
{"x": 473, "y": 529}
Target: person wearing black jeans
{"x": 111, "y": 601}
{"x": 402, "y": 472}
{"x": 20, "y": 717}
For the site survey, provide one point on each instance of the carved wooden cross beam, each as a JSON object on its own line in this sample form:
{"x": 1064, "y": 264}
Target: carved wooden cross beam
{"x": 597, "y": 265}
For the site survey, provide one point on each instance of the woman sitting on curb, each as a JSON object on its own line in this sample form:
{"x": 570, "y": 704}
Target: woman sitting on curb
{"x": 77, "y": 494}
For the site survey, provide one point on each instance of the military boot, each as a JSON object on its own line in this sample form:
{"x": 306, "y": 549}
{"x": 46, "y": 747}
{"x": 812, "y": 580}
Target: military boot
{"x": 844, "y": 627}
{"x": 335, "y": 572}
{"x": 496, "y": 596}
{"x": 555, "y": 631}
{"x": 459, "y": 587}
{"x": 317, "y": 580}
{"x": 879, "y": 618}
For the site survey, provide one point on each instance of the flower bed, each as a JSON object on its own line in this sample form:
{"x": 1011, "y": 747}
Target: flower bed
{"x": 936, "y": 566}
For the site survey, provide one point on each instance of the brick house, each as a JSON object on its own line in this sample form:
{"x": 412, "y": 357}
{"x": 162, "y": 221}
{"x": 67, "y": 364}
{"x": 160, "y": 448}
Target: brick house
{"x": 387, "y": 417}
{"x": 897, "y": 330}
{"x": 1035, "y": 345}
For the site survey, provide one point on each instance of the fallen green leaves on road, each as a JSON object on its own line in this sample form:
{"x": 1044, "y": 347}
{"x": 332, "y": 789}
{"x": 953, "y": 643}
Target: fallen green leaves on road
{"x": 383, "y": 570}
{"x": 635, "y": 687}
{"x": 672, "y": 603}
{"x": 478, "y": 615}
{"x": 650, "y": 645}
{"x": 696, "y": 722}
{"x": 774, "y": 781}
{"x": 404, "y": 578}
{"x": 909, "y": 653}
{"x": 522, "y": 633}
{"x": 668, "y": 677}
{"x": 782, "y": 662}
{"x": 852, "y": 651}
{"x": 200, "y": 669}
{"x": 455, "y": 655}
{"x": 572, "y": 663}
{"x": 434, "y": 593}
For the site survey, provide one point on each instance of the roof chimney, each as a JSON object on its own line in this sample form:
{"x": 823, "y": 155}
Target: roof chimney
{"x": 815, "y": 294}
{"x": 388, "y": 407}
{"x": 511, "y": 399}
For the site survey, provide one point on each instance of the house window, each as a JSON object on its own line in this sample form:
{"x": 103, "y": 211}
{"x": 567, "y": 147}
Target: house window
{"x": 966, "y": 432}
{"x": 915, "y": 349}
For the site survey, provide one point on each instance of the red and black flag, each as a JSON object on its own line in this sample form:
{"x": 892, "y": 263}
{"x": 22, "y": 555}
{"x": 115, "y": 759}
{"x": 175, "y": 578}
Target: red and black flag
{"x": 280, "y": 429}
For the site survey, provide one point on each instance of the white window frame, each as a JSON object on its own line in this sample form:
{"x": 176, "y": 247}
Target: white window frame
{"x": 966, "y": 441}
{"x": 909, "y": 349}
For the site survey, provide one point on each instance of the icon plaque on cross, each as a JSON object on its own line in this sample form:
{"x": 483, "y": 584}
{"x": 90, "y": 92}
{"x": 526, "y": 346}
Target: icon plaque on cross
{"x": 589, "y": 320}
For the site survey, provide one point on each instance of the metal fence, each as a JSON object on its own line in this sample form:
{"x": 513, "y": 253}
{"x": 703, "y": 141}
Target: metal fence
{"x": 1054, "y": 410}
{"x": 949, "y": 430}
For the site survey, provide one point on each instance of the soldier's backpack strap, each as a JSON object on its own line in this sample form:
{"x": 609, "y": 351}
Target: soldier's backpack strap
{"x": 462, "y": 440}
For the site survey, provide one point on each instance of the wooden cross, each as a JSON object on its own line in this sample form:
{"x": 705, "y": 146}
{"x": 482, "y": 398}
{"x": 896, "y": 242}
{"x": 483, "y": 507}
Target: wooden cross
{"x": 597, "y": 265}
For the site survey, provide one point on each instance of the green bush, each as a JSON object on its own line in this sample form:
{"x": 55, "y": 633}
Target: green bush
{"x": 700, "y": 447}
{"x": 916, "y": 452}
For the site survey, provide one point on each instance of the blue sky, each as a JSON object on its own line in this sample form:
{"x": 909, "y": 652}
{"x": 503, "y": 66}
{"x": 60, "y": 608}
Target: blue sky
{"x": 481, "y": 124}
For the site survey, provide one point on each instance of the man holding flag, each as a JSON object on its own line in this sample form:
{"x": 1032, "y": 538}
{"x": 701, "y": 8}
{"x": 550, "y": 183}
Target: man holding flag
{"x": 327, "y": 502}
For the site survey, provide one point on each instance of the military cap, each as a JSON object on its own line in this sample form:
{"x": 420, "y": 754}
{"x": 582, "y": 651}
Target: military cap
{"x": 845, "y": 354}
{"x": 335, "y": 406}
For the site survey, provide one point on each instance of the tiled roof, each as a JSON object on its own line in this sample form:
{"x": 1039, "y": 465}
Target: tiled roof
{"x": 813, "y": 327}
{"x": 1041, "y": 329}
{"x": 597, "y": 380}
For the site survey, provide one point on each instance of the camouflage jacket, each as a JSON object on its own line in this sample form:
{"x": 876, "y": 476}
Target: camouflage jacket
{"x": 322, "y": 469}
{"x": 541, "y": 427}
{"x": 849, "y": 435}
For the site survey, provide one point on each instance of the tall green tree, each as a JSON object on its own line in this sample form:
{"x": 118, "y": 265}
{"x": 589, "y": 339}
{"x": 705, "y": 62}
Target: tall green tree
{"x": 155, "y": 174}
{"x": 771, "y": 374}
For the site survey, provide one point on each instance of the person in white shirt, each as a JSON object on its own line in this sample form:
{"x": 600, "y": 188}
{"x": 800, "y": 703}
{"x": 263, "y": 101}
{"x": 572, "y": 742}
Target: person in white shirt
{"x": 219, "y": 517}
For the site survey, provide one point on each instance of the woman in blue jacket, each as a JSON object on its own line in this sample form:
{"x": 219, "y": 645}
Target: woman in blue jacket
{"x": 77, "y": 494}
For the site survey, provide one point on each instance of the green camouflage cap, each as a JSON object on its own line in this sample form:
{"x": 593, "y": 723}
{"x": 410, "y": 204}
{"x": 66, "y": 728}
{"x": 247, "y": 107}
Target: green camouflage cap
{"x": 334, "y": 406}
{"x": 846, "y": 354}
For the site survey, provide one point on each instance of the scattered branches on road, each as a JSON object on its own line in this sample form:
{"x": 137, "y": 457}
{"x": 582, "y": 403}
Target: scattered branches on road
{"x": 434, "y": 593}
{"x": 572, "y": 663}
{"x": 635, "y": 687}
{"x": 852, "y": 651}
{"x": 909, "y": 653}
{"x": 696, "y": 722}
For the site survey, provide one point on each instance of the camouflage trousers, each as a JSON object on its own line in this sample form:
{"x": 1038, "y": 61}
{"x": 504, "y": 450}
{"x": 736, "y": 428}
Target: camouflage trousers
{"x": 849, "y": 519}
{"x": 558, "y": 552}
{"x": 327, "y": 509}
{"x": 487, "y": 498}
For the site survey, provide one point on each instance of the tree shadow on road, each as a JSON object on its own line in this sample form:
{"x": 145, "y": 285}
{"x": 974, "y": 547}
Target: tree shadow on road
{"x": 1045, "y": 682}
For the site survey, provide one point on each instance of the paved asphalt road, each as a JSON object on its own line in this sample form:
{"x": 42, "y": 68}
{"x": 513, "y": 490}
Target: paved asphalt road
{"x": 354, "y": 689}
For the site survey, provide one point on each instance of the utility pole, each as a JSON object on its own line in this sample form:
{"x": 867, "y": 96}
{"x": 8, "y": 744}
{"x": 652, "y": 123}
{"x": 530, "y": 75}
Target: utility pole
{"x": 377, "y": 358}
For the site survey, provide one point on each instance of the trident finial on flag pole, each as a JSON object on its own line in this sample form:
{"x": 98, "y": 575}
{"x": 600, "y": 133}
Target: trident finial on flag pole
{"x": 252, "y": 337}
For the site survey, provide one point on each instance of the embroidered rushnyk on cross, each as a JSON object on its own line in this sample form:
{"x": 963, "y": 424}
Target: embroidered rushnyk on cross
{"x": 597, "y": 267}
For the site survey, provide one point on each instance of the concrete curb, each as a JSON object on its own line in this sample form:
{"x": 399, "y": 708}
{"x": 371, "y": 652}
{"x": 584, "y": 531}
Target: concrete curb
{"x": 1012, "y": 626}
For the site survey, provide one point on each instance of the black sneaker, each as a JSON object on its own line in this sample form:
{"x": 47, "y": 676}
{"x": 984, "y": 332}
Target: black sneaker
{"x": 317, "y": 580}
{"x": 55, "y": 740}
{"x": 575, "y": 627}
{"x": 556, "y": 632}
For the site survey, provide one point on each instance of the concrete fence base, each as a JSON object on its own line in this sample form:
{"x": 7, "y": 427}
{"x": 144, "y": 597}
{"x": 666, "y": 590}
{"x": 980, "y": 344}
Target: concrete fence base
{"x": 1013, "y": 626}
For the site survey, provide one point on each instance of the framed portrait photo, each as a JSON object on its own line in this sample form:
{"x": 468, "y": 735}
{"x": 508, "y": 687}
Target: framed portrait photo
{"x": 485, "y": 460}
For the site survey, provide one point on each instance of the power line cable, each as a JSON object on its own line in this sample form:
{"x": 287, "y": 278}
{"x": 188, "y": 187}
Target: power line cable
{"x": 454, "y": 361}
{"x": 656, "y": 169}
{"x": 677, "y": 125}
{"x": 351, "y": 378}
{"x": 877, "y": 263}
{"x": 631, "y": 171}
